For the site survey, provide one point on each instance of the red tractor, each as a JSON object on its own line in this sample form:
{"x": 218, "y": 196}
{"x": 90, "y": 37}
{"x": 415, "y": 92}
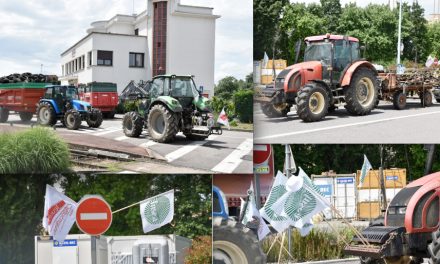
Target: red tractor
{"x": 410, "y": 230}
{"x": 331, "y": 75}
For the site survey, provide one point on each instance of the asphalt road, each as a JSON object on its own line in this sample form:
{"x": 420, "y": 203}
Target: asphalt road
{"x": 414, "y": 124}
{"x": 230, "y": 152}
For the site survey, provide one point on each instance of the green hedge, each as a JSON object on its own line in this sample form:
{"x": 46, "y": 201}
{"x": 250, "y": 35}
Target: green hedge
{"x": 243, "y": 101}
{"x": 38, "y": 150}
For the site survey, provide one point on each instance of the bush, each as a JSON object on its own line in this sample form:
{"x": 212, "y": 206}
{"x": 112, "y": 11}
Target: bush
{"x": 127, "y": 106}
{"x": 37, "y": 150}
{"x": 243, "y": 101}
{"x": 233, "y": 123}
{"x": 200, "y": 251}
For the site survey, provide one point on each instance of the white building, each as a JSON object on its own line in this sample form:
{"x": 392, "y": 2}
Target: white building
{"x": 167, "y": 38}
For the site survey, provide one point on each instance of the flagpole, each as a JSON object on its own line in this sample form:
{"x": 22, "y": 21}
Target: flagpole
{"x": 124, "y": 208}
{"x": 288, "y": 165}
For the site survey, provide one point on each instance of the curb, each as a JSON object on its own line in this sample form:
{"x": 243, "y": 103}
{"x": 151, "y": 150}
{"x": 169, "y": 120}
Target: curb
{"x": 329, "y": 261}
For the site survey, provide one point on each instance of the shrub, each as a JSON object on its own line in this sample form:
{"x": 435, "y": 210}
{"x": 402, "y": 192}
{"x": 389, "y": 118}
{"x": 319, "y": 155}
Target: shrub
{"x": 243, "y": 101}
{"x": 200, "y": 251}
{"x": 36, "y": 150}
{"x": 233, "y": 123}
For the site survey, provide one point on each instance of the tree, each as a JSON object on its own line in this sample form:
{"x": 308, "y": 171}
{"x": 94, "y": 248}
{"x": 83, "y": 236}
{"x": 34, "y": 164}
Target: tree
{"x": 226, "y": 87}
{"x": 433, "y": 37}
{"x": 332, "y": 14}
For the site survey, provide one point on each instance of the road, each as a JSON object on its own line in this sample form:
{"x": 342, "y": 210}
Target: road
{"x": 230, "y": 152}
{"x": 414, "y": 124}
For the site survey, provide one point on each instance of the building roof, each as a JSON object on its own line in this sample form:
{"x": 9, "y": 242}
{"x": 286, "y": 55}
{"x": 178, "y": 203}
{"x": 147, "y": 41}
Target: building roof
{"x": 98, "y": 33}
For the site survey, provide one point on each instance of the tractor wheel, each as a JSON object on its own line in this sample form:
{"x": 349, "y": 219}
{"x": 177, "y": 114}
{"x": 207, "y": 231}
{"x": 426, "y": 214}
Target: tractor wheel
{"x": 72, "y": 119}
{"x": 434, "y": 248}
{"x": 313, "y": 102}
{"x": 132, "y": 124}
{"x": 94, "y": 118}
{"x": 426, "y": 99}
{"x": 4, "y": 114}
{"x": 235, "y": 243}
{"x": 162, "y": 124}
{"x": 271, "y": 110}
{"x": 361, "y": 95}
{"x": 399, "y": 100}
{"x": 25, "y": 116}
{"x": 46, "y": 114}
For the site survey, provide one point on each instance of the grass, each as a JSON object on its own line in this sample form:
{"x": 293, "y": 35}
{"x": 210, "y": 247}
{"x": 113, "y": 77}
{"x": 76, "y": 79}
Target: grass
{"x": 317, "y": 245}
{"x": 38, "y": 150}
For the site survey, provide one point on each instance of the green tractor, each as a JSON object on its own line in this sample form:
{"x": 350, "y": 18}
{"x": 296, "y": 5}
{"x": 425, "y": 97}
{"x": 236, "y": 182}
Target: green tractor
{"x": 169, "y": 104}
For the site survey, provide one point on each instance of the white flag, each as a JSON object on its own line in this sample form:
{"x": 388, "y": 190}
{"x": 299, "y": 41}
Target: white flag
{"x": 301, "y": 202}
{"x": 277, "y": 221}
{"x": 223, "y": 119}
{"x": 365, "y": 168}
{"x": 59, "y": 213}
{"x": 253, "y": 214}
{"x": 265, "y": 60}
{"x": 157, "y": 211}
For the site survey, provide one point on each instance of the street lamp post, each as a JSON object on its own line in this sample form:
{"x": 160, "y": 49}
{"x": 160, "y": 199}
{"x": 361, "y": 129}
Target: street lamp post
{"x": 399, "y": 35}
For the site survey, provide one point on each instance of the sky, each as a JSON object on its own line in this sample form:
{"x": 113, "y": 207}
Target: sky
{"x": 428, "y": 5}
{"x": 35, "y": 32}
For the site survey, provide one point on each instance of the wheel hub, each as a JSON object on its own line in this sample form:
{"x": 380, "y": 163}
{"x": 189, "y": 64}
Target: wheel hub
{"x": 44, "y": 115}
{"x": 365, "y": 91}
{"x": 316, "y": 103}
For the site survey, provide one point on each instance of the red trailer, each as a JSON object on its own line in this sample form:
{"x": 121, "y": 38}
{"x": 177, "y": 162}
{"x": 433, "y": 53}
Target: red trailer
{"x": 20, "y": 97}
{"x": 101, "y": 95}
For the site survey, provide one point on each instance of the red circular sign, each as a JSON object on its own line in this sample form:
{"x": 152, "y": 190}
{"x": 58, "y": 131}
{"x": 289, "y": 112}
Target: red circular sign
{"x": 261, "y": 153}
{"x": 93, "y": 215}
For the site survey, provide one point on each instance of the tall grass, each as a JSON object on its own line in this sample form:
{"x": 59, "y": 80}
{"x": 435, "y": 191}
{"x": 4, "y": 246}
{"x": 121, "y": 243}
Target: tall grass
{"x": 38, "y": 150}
{"x": 317, "y": 245}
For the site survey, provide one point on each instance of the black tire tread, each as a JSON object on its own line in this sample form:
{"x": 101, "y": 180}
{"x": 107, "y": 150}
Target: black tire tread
{"x": 270, "y": 111}
{"x": 171, "y": 124}
{"x": 396, "y": 102}
{"x": 52, "y": 119}
{"x": 96, "y": 122}
{"x": 77, "y": 120}
{"x": 352, "y": 106}
{"x": 137, "y": 121}
{"x": 304, "y": 94}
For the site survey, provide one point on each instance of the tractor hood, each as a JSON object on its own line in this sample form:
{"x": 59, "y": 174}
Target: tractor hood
{"x": 202, "y": 103}
{"x": 81, "y": 105}
{"x": 295, "y": 76}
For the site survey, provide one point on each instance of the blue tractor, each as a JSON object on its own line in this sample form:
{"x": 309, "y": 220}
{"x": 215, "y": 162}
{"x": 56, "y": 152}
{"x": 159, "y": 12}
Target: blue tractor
{"x": 233, "y": 242}
{"x": 60, "y": 102}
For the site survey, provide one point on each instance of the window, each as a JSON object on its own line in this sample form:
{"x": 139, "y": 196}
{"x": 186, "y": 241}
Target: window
{"x": 62, "y": 70}
{"x": 136, "y": 60}
{"x": 157, "y": 87}
{"x": 105, "y": 58}
{"x": 136, "y": 32}
{"x": 83, "y": 61}
{"x": 89, "y": 55}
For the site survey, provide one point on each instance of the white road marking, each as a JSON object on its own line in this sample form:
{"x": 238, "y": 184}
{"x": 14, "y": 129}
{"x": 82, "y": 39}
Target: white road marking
{"x": 170, "y": 157}
{"x": 345, "y": 125}
{"x": 231, "y": 162}
{"x": 121, "y": 138}
{"x": 148, "y": 144}
{"x": 93, "y": 216}
{"x": 108, "y": 131}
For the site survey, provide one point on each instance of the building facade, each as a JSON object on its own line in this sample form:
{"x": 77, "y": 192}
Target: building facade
{"x": 167, "y": 38}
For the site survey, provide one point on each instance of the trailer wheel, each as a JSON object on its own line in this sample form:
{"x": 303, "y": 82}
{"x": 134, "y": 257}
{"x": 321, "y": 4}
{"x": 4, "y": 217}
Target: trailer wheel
{"x": 132, "y": 124}
{"x": 235, "y": 243}
{"x": 72, "y": 119}
{"x": 361, "y": 95}
{"x": 46, "y": 114}
{"x": 426, "y": 99}
{"x": 313, "y": 102}
{"x": 94, "y": 118}
{"x": 434, "y": 248}
{"x": 272, "y": 111}
{"x": 399, "y": 100}
{"x": 4, "y": 114}
{"x": 162, "y": 124}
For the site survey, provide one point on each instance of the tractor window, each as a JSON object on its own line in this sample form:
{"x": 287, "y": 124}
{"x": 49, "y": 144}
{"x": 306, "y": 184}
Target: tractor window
{"x": 432, "y": 214}
{"x": 166, "y": 86}
{"x": 342, "y": 55}
{"x": 71, "y": 93}
{"x": 321, "y": 51}
{"x": 355, "y": 53}
{"x": 48, "y": 93}
{"x": 157, "y": 87}
{"x": 183, "y": 87}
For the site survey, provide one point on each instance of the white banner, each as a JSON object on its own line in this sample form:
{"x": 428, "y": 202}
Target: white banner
{"x": 59, "y": 213}
{"x": 157, "y": 211}
{"x": 253, "y": 214}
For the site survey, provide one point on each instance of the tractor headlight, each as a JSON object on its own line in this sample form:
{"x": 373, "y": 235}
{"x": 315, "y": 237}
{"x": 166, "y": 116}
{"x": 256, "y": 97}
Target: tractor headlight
{"x": 401, "y": 210}
{"x": 392, "y": 210}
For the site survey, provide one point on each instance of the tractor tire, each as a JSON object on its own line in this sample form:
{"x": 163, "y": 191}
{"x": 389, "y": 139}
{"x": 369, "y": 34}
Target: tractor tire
{"x": 132, "y": 124}
{"x": 46, "y": 115}
{"x": 434, "y": 248}
{"x": 72, "y": 119}
{"x": 94, "y": 118}
{"x": 361, "y": 95}
{"x": 26, "y": 116}
{"x": 235, "y": 243}
{"x": 272, "y": 111}
{"x": 162, "y": 124}
{"x": 399, "y": 100}
{"x": 313, "y": 102}
{"x": 426, "y": 98}
{"x": 4, "y": 114}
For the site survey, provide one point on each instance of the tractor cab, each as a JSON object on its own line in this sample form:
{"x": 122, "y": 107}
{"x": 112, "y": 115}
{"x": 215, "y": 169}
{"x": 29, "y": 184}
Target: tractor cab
{"x": 61, "y": 94}
{"x": 182, "y": 88}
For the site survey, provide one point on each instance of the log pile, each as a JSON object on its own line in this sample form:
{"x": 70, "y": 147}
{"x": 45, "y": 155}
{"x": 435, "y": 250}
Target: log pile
{"x": 426, "y": 77}
{"x": 28, "y": 77}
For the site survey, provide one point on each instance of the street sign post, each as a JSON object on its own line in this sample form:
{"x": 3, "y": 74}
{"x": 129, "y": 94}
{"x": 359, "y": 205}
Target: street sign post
{"x": 93, "y": 215}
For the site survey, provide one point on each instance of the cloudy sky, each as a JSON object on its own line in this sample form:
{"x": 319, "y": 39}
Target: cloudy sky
{"x": 35, "y": 32}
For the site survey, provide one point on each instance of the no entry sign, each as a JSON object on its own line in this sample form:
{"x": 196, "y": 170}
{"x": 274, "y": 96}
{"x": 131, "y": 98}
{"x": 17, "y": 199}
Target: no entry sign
{"x": 93, "y": 215}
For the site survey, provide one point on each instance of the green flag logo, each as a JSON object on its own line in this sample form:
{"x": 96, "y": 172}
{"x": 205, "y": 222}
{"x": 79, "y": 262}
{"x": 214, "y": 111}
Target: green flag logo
{"x": 277, "y": 192}
{"x": 299, "y": 204}
{"x": 157, "y": 210}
